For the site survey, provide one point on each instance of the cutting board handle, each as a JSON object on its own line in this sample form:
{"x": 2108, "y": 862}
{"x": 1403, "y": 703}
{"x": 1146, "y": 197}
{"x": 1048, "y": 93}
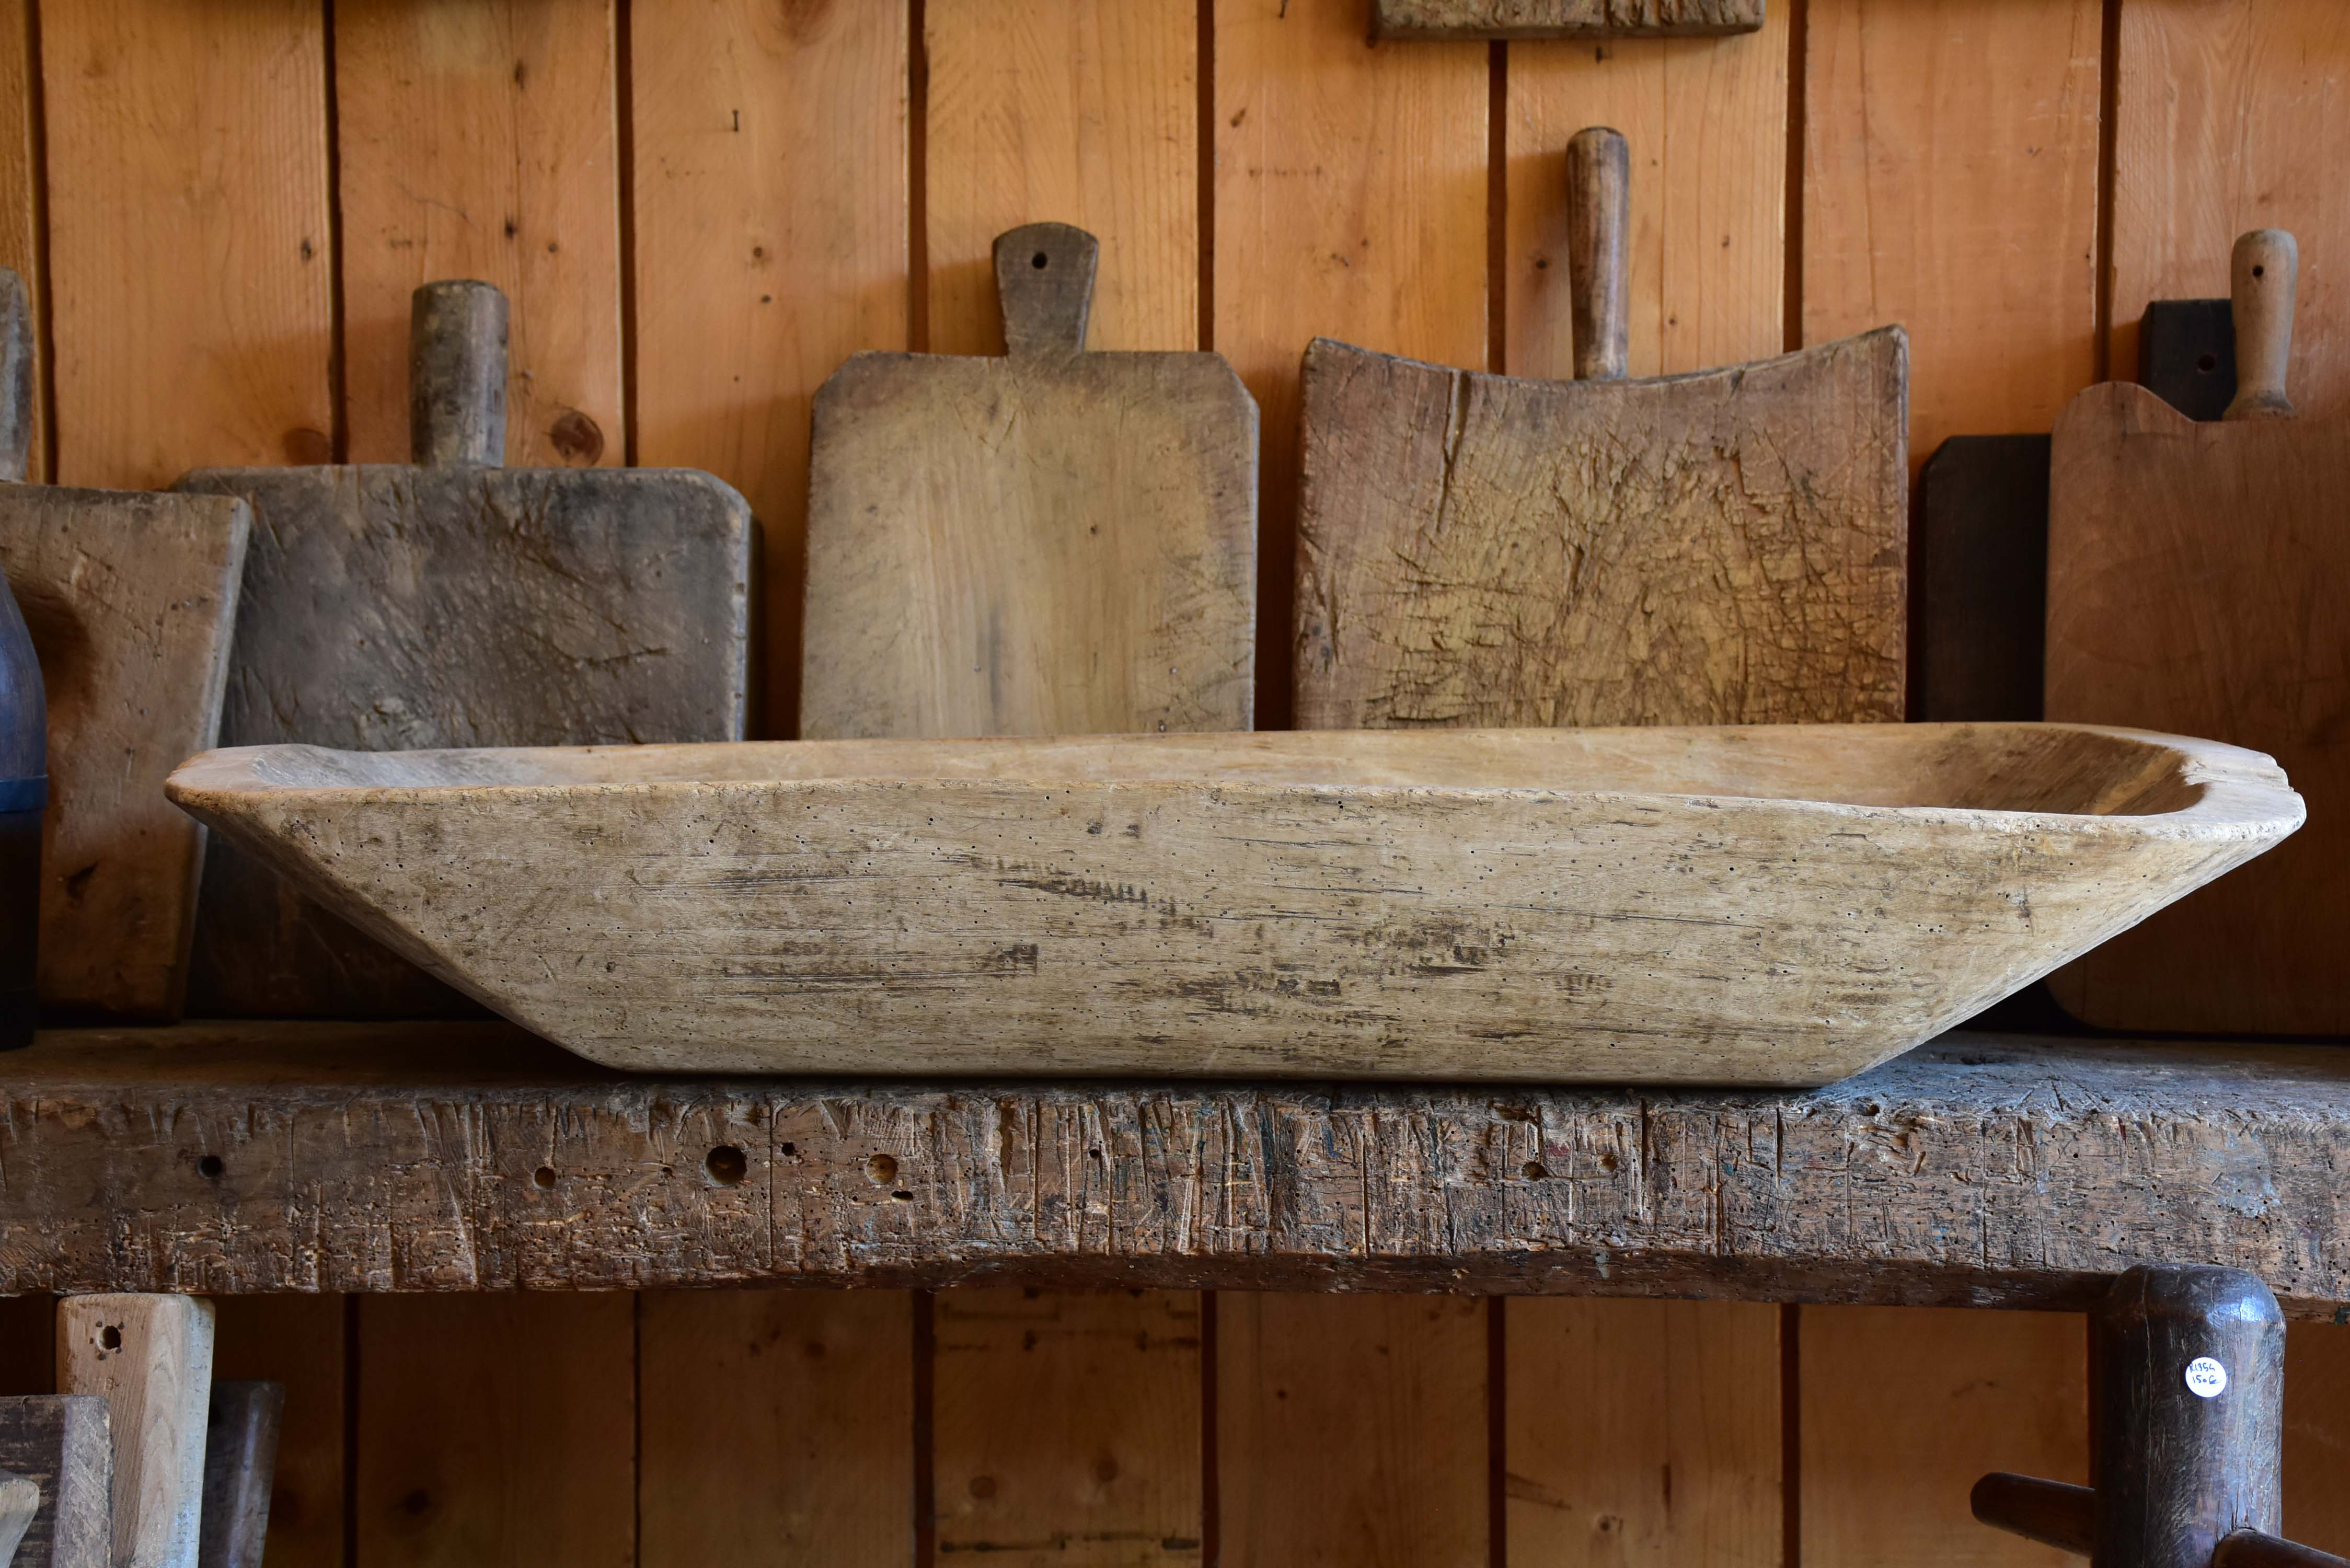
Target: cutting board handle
{"x": 2264, "y": 274}
{"x": 1045, "y": 279}
{"x": 457, "y": 374}
{"x": 16, "y": 378}
{"x": 1599, "y": 233}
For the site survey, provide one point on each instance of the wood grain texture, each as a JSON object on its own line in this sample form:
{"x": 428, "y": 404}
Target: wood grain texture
{"x": 298, "y": 1341}
{"x": 1725, "y": 548}
{"x": 150, "y": 1358}
{"x": 131, "y": 600}
{"x": 1982, "y": 1170}
{"x": 1043, "y": 543}
{"x": 386, "y": 605}
{"x": 61, "y": 1443}
{"x": 189, "y": 236}
{"x": 21, "y": 251}
{"x": 1351, "y": 1428}
{"x": 1365, "y": 903}
{"x": 1707, "y": 121}
{"x": 20, "y": 1501}
{"x": 1564, "y": 18}
{"x": 1067, "y": 1425}
{"x": 758, "y": 267}
{"x": 777, "y": 1427}
{"x": 1075, "y": 112}
{"x": 1967, "y": 1393}
{"x": 1643, "y": 1432}
{"x": 2317, "y": 1434}
{"x": 240, "y": 1466}
{"x": 488, "y": 1441}
{"x": 1350, "y": 198}
{"x": 1950, "y": 184}
{"x": 2197, "y": 575}
{"x": 2225, "y": 114}
{"x": 479, "y": 142}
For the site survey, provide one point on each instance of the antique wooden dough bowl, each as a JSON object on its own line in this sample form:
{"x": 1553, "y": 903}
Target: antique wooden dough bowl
{"x": 1781, "y": 905}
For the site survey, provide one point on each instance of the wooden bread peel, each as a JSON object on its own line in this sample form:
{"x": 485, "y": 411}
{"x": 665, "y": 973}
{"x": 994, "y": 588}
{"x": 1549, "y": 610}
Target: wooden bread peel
{"x": 1723, "y": 548}
{"x": 2198, "y": 582}
{"x": 130, "y": 598}
{"x": 458, "y": 603}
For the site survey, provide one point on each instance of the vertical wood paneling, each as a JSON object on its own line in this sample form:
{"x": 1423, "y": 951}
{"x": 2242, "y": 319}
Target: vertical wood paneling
{"x": 1351, "y": 1429}
{"x": 1707, "y": 121}
{"x": 2232, "y": 115}
{"x": 477, "y": 138}
{"x": 296, "y": 1341}
{"x": 2317, "y": 1436}
{"x": 1905, "y": 1408}
{"x": 1072, "y": 111}
{"x": 190, "y": 300}
{"x": 497, "y": 1429}
{"x": 1643, "y": 1432}
{"x": 20, "y": 187}
{"x": 1950, "y": 184}
{"x": 776, "y": 1429}
{"x": 771, "y": 233}
{"x": 28, "y": 1341}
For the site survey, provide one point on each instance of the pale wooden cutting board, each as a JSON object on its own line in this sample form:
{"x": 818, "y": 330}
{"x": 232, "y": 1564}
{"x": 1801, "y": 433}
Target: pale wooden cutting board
{"x": 129, "y": 599}
{"x": 1051, "y": 542}
{"x": 2199, "y": 583}
{"x": 452, "y": 602}
{"x": 1718, "y": 548}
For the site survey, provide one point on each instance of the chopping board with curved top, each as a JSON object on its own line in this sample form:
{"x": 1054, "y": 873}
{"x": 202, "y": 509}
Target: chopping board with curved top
{"x": 2198, "y": 582}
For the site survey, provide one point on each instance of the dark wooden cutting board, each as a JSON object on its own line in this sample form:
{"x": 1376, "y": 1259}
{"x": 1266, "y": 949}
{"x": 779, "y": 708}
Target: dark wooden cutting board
{"x": 1046, "y": 542}
{"x": 452, "y": 602}
{"x": 2198, "y": 582}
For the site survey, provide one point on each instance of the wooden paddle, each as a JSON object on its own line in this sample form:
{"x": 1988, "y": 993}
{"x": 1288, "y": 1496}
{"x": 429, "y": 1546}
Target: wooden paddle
{"x": 62, "y": 1444}
{"x": 2198, "y": 582}
{"x": 129, "y": 599}
{"x": 1053, "y": 542}
{"x": 150, "y": 1358}
{"x": 1723, "y": 548}
{"x": 456, "y": 603}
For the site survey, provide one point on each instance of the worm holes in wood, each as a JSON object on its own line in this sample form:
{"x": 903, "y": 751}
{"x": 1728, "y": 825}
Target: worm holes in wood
{"x": 726, "y": 1166}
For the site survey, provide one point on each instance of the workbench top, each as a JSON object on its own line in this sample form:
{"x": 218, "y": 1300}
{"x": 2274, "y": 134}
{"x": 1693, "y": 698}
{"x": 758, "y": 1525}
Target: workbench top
{"x": 1981, "y": 1170}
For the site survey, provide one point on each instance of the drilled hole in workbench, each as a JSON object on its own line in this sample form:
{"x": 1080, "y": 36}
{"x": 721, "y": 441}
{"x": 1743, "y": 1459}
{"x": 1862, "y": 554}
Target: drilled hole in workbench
{"x": 542, "y": 1177}
{"x": 210, "y": 1167}
{"x": 726, "y": 1165}
{"x": 791, "y": 1149}
{"x": 880, "y": 1170}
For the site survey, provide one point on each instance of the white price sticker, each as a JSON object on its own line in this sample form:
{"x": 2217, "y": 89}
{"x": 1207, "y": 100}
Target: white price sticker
{"x": 2206, "y": 1378}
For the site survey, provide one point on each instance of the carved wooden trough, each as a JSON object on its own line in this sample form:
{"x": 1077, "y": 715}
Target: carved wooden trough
{"x": 1770, "y": 905}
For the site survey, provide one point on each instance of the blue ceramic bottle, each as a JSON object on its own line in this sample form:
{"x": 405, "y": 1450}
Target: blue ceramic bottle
{"x": 23, "y": 791}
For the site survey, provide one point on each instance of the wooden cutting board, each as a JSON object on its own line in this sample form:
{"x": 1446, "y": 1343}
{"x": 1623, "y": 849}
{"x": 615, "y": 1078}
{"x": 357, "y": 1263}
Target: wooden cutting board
{"x": 129, "y": 599}
{"x": 452, "y": 602}
{"x": 1718, "y": 548}
{"x": 1050, "y": 542}
{"x": 2198, "y": 582}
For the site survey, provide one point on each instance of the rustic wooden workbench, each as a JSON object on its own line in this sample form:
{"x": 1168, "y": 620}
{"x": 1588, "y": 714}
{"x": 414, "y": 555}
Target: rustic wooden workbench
{"x": 1982, "y": 1170}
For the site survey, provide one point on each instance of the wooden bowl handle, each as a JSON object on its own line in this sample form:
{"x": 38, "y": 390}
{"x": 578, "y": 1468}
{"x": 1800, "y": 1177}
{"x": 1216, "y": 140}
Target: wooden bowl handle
{"x": 2264, "y": 274}
{"x": 16, "y": 391}
{"x": 457, "y": 374}
{"x": 1598, "y": 224}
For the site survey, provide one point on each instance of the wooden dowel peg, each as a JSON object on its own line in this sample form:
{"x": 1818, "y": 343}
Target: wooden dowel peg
{"x": 151, "y": 1358}
{"x": 1599, "y": 240}
{"x": 1044, "y": 283}
{"x": 457, "y": 374}
{"x": 2251, "y": 1549}
{"x": 2265, "y": 277}
{"x": 2053, "y": 1513}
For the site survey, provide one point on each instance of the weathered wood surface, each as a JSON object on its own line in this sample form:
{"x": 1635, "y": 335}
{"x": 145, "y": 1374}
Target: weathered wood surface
{"x": 2198, "y": 578}
{"x": 1980, "y": 1170}
{"x": 1563, "y": 19}
{"x": 1722, "y": 548}
{"x": 60, "y": 1443}
{"x": 240, "y": 1469}
{"x": 150, "y": 1356}
{"x": 1047, "y": 541}
{"x": 1776, "y": 904}
{"x": 20, "y": 1501}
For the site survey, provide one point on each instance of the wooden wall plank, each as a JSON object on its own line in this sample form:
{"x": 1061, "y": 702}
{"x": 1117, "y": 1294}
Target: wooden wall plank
{"x": 479, "y": 140}
{"x": 2317, "y": 1436}
{"x": 1351, "y": 1428}
{"x": 1950, "y": 184}
{"x": 1068, "y": 112}
{"x": 190, "y": 300}
{"x": 2231, "y": 115}
{"x": 1643, "y": 1432}
{"x": 497, "y": 1429}
{"x": 1067, "y": 1425}
{"x": 20, "y": 184}
{"x": 1904, "y": 1408}
{"x": 1707, "y": 122}
{"x": 29, "y": 1344}
{"x": 771, "y": 229}
{"x": 297, "y": 1341}
{"x": 777, "y": 1429}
